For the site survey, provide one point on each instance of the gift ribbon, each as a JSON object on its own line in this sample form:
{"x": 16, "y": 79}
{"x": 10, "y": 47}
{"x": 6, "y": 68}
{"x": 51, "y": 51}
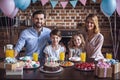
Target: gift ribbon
{"x": 105, "y": 72}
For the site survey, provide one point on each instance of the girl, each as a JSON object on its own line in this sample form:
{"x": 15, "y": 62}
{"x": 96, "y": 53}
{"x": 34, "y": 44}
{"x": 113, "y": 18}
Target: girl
{"x": 76, "y": 45}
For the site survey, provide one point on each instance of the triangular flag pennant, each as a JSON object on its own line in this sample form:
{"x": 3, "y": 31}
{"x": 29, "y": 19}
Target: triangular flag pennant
{"x": 33, "y": 1}
{"x": 73, "y": 3}
{"x": 44, "y": 2}
{"x": 94, "y": 1}
{"x": 53, "y": 3}
{"x": 83, "y": 2}
{"x": 64, "y": 3}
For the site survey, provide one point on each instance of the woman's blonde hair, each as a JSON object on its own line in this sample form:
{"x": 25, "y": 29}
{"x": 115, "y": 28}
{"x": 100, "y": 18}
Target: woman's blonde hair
{"x": 71, "y": 42}
{"x": 94, "y": 18}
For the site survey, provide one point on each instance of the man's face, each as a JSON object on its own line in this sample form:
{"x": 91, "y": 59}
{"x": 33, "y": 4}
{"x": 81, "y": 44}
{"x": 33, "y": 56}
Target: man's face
{"x": 38, "y": 20}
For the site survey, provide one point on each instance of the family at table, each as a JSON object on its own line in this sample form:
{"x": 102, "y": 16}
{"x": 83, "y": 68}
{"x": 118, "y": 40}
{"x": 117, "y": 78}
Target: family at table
{"x": 46, "y": 42}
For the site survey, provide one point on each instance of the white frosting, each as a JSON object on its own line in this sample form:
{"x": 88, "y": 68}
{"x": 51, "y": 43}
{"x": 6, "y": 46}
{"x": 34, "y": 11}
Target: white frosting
{"x": 52, "y": 64}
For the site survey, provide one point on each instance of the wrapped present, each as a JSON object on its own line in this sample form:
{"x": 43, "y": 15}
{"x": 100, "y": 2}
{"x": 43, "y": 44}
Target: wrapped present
{"x": 115, "y": 66}
{"x": 103, "y": 70}
{"x": 2, "y": 65}
{"x": 11, "y": 66}
{"x": 17, "y": 71}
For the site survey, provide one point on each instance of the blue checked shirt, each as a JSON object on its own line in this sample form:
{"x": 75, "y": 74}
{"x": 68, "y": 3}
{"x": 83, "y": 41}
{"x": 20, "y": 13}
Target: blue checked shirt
{"x": 33, "y": 42}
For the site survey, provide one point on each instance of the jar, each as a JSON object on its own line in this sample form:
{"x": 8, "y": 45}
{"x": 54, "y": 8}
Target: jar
{"x": 9, "y": 52}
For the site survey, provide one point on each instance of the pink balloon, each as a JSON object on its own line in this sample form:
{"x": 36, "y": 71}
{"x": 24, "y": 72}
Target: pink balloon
{"x": 7, "y": 6}
{"x": 14, "y": 13}
{"x": 118, "y": 7}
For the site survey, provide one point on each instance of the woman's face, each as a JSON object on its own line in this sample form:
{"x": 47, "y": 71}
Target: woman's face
{"x": 77, "y": 41}
{"x": 89, "y": 24}
{"x": 55, "y": 39}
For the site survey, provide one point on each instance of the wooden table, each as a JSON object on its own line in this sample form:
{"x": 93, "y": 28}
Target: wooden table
{"x": 67, "y": 74}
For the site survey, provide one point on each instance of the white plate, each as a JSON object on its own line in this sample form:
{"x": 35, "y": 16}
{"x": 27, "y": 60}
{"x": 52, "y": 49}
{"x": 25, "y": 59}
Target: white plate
{"x": 42, "y": 70}
{"x": 25, "y": 58}
{"x": 74, "y": 59}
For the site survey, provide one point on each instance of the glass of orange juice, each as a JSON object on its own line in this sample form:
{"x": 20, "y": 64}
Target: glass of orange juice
{"x": 83, "y": 56}
{"x": 35, "y": 56}
{"x": 62, "y": 56}
{"x": 109, "y": 55}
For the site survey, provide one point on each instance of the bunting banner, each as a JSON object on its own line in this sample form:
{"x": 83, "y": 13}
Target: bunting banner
{"x": 44, "y": 2}
{"x": 83, "y": 2}
{"x": 33, "y": 1}
{"x": 94, "y": 1}
{"x": 73, "y": 2}
{"x": 53, "y": 3}
{"x": 63, "y": 3}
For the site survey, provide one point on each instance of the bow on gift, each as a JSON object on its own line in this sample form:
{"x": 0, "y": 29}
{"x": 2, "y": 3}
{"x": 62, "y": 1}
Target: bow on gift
{"x": 104, "y": 65}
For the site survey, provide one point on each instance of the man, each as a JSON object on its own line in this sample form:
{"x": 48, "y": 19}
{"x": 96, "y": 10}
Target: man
{"x": 35, "y": 38}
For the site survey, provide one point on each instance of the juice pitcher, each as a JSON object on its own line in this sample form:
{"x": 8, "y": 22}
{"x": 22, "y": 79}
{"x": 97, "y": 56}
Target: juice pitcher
{"x": 9, "y": 52}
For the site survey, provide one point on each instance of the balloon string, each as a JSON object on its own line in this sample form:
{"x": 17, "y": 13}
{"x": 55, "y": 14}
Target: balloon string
{"x": 115, "y": 35}
{"x": 112, "y": 37}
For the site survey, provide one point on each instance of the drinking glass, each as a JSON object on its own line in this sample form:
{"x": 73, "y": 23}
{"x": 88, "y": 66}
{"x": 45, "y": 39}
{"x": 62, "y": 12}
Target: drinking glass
{"x": 35, "y": 56}
{"x": 83, "y": 56}
{"x": 109, "y": 55}
{"x": 62, "y": 56}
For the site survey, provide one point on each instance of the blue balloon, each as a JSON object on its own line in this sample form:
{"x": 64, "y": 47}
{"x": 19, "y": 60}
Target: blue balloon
{"x": 108, "y": 7}
{"x": 22, "y": 4}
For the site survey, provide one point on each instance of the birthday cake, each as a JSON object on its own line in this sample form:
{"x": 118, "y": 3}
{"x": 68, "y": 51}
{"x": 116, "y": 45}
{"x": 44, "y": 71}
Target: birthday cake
{"x": 51, "y": 65}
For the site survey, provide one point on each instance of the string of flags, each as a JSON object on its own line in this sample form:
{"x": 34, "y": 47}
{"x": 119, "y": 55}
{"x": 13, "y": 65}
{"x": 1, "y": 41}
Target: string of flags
{"x": 63, "y": 2}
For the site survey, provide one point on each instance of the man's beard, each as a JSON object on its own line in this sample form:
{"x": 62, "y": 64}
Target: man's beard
{"x": 38, "y": 25}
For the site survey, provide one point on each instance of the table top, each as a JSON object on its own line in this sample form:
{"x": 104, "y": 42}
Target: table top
{"x": 68, "y": 73}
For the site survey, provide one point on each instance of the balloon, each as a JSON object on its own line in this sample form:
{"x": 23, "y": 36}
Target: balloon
{"x": 7, "y": 6}
{"x": 14, "y": 13}
{"x": 118, "y": 7}
{"x": 108, "y": 7}
{"x": 22, "y": 4}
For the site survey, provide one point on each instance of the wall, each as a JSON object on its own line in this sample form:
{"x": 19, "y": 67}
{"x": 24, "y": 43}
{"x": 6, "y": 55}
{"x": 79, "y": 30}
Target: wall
{"x": 68, "y": 18}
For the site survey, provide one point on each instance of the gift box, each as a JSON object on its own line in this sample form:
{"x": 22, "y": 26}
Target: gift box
{"x": 2, "y": 65}
{"x": 115, "y": 68}
{"x": 17, "y": 71}
{"x": 103, "y": 70}
{"x": 11, "y": 66}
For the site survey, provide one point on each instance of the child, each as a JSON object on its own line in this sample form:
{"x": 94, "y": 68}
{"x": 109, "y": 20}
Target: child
{"x": 53, "y": 50}
{"x": 76, "y": 45}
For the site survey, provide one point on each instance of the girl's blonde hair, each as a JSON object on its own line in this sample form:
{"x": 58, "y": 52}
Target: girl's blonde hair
{"x": 93, "y": 18}
{"x": 71, "y": 42}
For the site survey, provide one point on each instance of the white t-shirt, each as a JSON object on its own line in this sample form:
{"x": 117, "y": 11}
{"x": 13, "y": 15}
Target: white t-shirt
{"x": 52, "y": 52}
{"x": 75, "y": 52}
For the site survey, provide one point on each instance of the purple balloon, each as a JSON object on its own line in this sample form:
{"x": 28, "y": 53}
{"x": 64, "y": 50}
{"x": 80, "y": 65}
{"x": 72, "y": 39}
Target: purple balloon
{"x": 118, "y": 7}
{"x": 14, "y": 13}
{"x": 7, "y": 6}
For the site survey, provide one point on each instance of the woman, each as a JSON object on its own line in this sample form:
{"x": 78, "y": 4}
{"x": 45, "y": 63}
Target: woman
{"x": 94, "y": 39}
